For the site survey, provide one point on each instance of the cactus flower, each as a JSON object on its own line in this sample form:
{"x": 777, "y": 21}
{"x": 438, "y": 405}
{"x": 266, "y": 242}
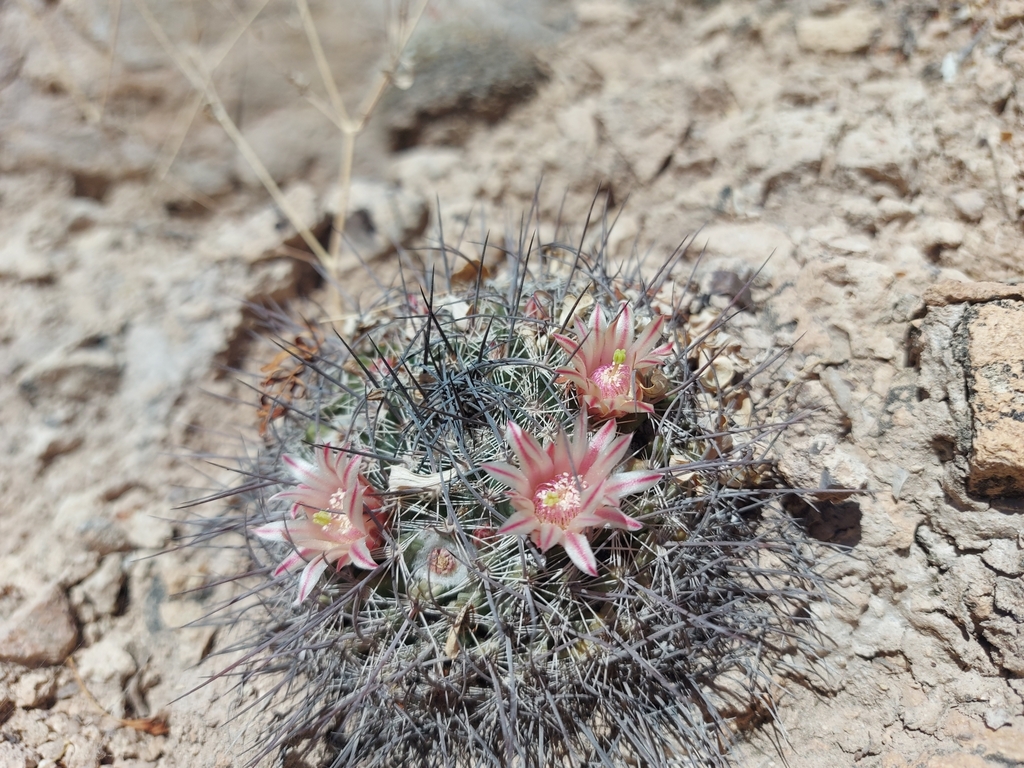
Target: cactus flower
{"x": 561, "y": 491}
{"x": 330, "y": 525}
{"x": 605, "y": 361}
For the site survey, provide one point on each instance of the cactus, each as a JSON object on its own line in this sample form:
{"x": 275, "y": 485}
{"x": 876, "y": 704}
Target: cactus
{"x": 521, "y": 520}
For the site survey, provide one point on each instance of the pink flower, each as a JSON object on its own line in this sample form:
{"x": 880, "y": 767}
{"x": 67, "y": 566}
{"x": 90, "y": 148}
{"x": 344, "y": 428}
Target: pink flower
{"x": 562, "y": 490}
{"x": 605, "y": 362}
{"x": 330, "y": 524}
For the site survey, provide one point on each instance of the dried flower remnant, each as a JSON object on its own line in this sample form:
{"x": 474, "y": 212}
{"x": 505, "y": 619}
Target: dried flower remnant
{"x": 607, "y": 361}
{"x": 561, "y": 491}
{"x": 330, "y": 524}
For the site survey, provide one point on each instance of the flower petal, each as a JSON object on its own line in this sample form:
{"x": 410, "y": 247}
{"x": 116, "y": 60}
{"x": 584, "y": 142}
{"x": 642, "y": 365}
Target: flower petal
{"x": 290, "y": 563}
{"x": 361, "y": 557}
{"x": 307, "y": 474}
{"x": 579, "y": 551}
{"x": 623, "y": 328}
{"x": 534, "y": 460}
{"x": 547, "y": 536}
{"x": 310, "y": 576}
{"x": 519, "y": 523}
{"x": 273, "y": 531}
{"x": 626, "y": 483}
{"x": 505, "y": 473}
{"x": 601, "y": 466}
{"x": 616, "y": 518}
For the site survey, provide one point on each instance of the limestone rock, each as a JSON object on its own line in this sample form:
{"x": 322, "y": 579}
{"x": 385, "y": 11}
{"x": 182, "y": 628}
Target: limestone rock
{"x": 881, "y": 151}
{"x": 995, "y": 376}
{"x": 1009, "y": 12}
{"x": 848, "y": 32}
{"x": 75, "y": 373}
{"x": 956, "y": 292}
{"x": 98, "y": 595}
{"x": 461, "y": 75}
{"x": 41, "y": 633}
{"x": 1004, "y": 556}
{"x": 970, "y": 204}
{"x": 35, "y": 689}
{"x": 380, "y": 216}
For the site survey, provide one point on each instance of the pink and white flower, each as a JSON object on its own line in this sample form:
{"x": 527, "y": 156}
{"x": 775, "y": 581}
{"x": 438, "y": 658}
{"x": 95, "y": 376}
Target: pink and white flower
{"x": 329, "y": 524}
{"x": 561, "y": 491}
{"x": 606, "y": 360}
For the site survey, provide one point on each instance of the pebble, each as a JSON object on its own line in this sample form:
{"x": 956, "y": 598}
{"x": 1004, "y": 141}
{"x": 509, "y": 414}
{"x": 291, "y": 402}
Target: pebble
{"x": 970, "y": 204}
{"x": 848, "y": 32}
{"x": 41, "y": 633}
{"x": 996, "y": 391}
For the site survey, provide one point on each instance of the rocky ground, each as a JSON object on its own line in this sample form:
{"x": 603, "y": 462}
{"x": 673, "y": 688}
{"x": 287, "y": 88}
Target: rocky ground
{"x": 875, "y": 152}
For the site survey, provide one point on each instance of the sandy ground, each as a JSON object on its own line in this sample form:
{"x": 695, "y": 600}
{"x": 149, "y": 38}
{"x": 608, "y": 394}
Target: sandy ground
{"x": 873, "y": 151}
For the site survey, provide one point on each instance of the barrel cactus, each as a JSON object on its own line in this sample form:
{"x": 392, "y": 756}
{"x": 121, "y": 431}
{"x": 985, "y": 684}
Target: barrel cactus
{"x": 517, "y": 515}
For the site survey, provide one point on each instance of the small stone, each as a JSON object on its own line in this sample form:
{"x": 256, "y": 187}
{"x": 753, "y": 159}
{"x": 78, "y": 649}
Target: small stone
{"x": 15, "y": 755}
{"x": 106, "y": 662}
{"x": 848, "y": 32}
{"x": 103, "y": 536}
{"x": 98, "y": 595}
{"x": 939, "y": 234}
{"x": 1010, "y": 597}
{"x": 1008, "y": 13}
{"x": 1004, "y": 634}
{"x": 1004, "y": 556}
{"x": 380, "y": 216}
{"x": 970, "y": 204}
{"x": 957, "y": 292}
{"x": 881, "y": 151}
{"x": 35, "y": 689}
{"x": 995, "y": 374}
{"x": 997, "y": 718}
{"x": 41, "y": 633}
{"x": 264, "y": 231}
{"x": 75, "y": 373}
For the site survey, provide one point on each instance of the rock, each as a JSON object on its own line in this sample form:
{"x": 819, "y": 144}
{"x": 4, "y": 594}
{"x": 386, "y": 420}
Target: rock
{"x": 98, "y": 595}
{"x": 103, "y": 536}
{"x": 1007, "y": 640}
{"x": 848, "y": 32}
{"x": 970, "y": 204}
{"x": 995, "y": 376}
{"x": 423, "y": 167}
{"x": 956, "y": 292}
{"x": 147, "y": 531}
{"x": 35, "y": 689}
{"x": 1004, "y": 556}
{"x": 73, "y": 373}
{"x": 1009, "y": 597}
{"x": 462, "y": 74}
{"x": 1008, "y": 13}
{"x": 880, "y": 150}
{"x": 993, "y": 81}
{"x": 15, "y": 756}
{"x": 752, "y": 243}
{"x": 644, "y": 125}
{"x": 41, "y": 633}
{"x": 880, "y": 630}
{"x": 106, "y": 662}
{"x": 263, "y": 232}
{"x": 936, "y": 235}
{"x": 380, "y": 217}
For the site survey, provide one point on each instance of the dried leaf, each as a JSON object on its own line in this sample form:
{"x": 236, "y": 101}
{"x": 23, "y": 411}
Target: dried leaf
{"x": 402, "y": 480}
{"x": 471, "y": 272}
